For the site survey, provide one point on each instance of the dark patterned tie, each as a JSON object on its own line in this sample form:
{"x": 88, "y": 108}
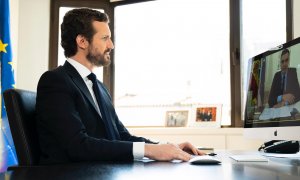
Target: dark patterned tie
{"x": 283, "y": 83}
{"x": 99, "y": 97}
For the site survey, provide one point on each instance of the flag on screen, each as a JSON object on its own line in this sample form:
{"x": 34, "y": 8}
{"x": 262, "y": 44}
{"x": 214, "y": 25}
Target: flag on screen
{"x": 262, "y": 83}
{"x": 7, "y": 148}
{"x": 254, "y": 83}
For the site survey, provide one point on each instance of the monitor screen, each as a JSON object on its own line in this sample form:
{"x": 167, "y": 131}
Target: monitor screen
{"x": 273, "y": 95}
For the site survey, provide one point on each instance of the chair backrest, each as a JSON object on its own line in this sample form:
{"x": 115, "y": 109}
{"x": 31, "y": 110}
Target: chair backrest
{"x": 20, "y": 108}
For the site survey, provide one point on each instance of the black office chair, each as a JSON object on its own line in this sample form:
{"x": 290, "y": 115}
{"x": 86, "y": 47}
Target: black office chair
{"x": 20, "y": 108}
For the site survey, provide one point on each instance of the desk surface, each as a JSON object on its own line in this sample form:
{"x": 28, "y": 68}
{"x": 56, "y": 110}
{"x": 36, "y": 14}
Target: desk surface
{"x": 276, "y": 168}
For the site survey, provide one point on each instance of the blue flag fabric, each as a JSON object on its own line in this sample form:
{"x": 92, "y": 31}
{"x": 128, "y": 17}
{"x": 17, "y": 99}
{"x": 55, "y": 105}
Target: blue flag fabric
{"x": 7, "y": 148}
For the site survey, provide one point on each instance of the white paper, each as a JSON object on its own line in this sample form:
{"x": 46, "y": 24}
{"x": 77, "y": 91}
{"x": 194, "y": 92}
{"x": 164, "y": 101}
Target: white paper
{"x": 285, "y": 111}
{"x": 271, "y": 113}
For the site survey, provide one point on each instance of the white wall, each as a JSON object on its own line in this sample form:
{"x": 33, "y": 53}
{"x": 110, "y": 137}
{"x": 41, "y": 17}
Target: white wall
{"x": 33, "y": 41}
{"x": 14, "y": 29}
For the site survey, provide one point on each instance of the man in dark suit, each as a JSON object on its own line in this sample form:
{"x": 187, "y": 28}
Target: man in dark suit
{"x": 285, "y": 88}
{"x": 76, "y": 120}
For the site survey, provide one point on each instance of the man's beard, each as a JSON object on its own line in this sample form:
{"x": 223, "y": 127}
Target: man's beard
{"x": 98, "y": 59}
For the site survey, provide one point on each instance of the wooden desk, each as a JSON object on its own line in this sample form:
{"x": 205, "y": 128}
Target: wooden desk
{"x": 276, "y": 168}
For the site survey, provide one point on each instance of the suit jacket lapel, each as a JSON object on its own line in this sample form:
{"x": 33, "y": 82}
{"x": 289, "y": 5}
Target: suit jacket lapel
{"x": 77, "y": 79}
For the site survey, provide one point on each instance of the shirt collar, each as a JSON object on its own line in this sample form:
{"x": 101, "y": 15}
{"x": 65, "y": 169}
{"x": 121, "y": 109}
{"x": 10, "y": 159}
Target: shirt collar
{"x": 81, "y": 69}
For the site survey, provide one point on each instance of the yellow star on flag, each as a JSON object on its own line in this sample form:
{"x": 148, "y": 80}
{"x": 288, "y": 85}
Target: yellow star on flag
{"x": 2, "y": 47}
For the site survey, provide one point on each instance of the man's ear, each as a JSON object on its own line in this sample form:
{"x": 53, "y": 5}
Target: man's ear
{"x": 81, "y": 41}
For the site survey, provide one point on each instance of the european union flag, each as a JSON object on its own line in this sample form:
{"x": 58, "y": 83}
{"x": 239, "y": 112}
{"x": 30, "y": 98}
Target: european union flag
{"x": 7, "y": 148}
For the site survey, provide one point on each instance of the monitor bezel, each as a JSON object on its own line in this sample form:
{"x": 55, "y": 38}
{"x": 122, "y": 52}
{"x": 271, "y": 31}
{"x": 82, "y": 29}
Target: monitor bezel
{"x": 275, "y": 130}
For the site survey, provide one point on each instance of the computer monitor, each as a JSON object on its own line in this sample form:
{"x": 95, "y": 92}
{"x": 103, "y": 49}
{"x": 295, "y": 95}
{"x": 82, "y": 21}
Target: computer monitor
{"x": 272, "y": 110}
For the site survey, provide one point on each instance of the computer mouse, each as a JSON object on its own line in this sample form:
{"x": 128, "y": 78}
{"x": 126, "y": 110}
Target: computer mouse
{"x": 204, "y": 160}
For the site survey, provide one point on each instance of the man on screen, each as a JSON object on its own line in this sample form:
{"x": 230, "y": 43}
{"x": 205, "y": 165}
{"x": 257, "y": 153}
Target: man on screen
{"x": 285, "y": 88}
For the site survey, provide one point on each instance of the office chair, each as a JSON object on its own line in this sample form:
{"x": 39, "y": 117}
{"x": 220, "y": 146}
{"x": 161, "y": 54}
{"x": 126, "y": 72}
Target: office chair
{"x": 20, "y": 108}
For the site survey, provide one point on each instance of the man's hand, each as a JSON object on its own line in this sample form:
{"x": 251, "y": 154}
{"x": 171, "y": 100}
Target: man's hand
{"x": 189, "y": 148}
{"x": 290, "y": 98}
{"x": 165, "y": 152}
{"x": 168, "y": 152}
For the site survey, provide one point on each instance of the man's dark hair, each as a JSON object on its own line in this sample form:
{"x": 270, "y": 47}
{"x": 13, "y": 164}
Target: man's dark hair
{"x": 79, "y": 22}
{"x": 285, "y": 51}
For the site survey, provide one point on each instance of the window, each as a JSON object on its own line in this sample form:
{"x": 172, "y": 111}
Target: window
{"x": 169, "y": 56}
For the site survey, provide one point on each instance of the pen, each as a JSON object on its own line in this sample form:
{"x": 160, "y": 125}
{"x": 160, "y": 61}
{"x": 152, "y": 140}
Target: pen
{"x": 211, "y": 154}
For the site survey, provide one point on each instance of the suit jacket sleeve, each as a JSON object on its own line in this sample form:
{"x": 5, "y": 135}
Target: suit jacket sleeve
{"x": 62, "y": 133}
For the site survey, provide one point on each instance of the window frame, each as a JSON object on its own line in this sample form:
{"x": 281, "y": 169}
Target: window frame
{"x": 109, "y": 72}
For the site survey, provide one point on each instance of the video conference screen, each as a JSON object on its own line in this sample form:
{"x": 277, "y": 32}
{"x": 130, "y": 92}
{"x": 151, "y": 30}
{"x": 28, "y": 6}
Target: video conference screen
{"x": 273, "y": 96}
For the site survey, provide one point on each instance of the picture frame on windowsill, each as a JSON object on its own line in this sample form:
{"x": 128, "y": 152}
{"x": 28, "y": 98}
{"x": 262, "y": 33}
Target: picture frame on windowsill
{"x": 177, "y": 118}
{"x": 207, "y": 115}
